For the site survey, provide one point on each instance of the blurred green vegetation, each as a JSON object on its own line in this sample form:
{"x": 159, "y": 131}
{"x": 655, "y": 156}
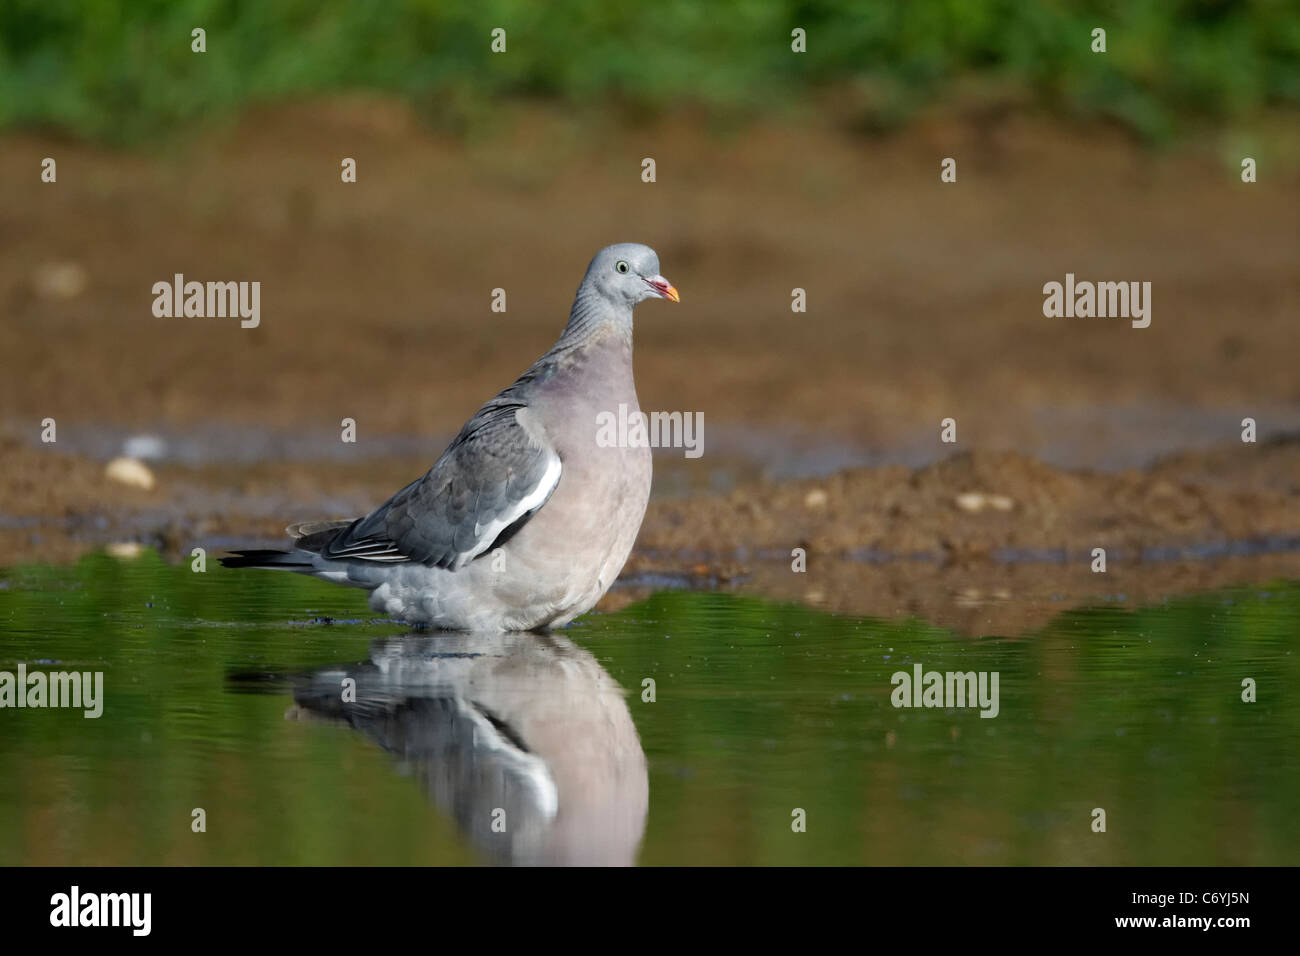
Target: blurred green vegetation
{"x": 120, "y": 70}
{"x": 760, "y": 708}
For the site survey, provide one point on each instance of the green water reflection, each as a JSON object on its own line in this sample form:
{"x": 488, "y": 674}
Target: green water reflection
{"x": 759, "y": 710}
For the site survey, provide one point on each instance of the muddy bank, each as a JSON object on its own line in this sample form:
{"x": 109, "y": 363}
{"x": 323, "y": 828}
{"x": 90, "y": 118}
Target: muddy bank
{"x": 990, "y": 543}
{"x": 998, "y": 506}
{"x": 971, "y": 599}
{"x": 986, "y": 542}
{"x": 923, "y": 299}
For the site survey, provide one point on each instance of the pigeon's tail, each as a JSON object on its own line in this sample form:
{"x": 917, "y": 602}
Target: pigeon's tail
{"x": 309, "y": 536}
{"x": 283, "y": 560}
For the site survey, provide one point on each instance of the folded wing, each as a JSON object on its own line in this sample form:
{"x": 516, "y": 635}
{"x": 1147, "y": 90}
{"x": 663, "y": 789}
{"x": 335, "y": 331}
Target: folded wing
{"x": 495, "y": 475}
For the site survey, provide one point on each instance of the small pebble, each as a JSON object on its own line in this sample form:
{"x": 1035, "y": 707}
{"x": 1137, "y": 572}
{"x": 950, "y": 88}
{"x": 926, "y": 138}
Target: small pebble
{"x": 59, "y": 280}
{"x": 130, "y": 471}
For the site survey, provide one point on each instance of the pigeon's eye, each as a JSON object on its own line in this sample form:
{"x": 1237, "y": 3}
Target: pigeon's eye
{"x": 622, "y": 266}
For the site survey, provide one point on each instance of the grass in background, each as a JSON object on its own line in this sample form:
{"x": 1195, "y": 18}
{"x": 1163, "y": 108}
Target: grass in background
{"x": 122, "y": 70}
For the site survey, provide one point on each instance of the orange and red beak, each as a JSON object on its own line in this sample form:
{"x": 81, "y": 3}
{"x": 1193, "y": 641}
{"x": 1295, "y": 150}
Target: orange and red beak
{"x": 663, "y": 288}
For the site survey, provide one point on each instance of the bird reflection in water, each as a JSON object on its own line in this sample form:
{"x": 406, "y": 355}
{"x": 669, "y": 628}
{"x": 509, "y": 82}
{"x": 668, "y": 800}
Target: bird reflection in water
{"x": 523, "y": 738}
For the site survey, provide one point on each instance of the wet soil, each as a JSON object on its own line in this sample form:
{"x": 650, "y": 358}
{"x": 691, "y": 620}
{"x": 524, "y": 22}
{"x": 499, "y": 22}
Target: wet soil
{"x": 979, "y": 542}
{"x": 924, "y": 303}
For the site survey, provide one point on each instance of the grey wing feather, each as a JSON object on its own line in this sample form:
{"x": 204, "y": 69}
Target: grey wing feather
{"x": 314, "y": 535}
{"x": 492, "y": 476}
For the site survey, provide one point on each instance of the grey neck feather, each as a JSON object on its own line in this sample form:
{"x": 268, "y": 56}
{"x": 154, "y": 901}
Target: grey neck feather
{"x": 591, "y": 315}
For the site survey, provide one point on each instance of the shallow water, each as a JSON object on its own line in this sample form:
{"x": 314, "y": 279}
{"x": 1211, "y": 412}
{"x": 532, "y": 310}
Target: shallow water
{"x": 759, "y": 711}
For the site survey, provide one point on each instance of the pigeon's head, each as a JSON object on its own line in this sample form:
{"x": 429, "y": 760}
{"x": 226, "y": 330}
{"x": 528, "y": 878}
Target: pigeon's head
{"x": 628, "y": 273}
